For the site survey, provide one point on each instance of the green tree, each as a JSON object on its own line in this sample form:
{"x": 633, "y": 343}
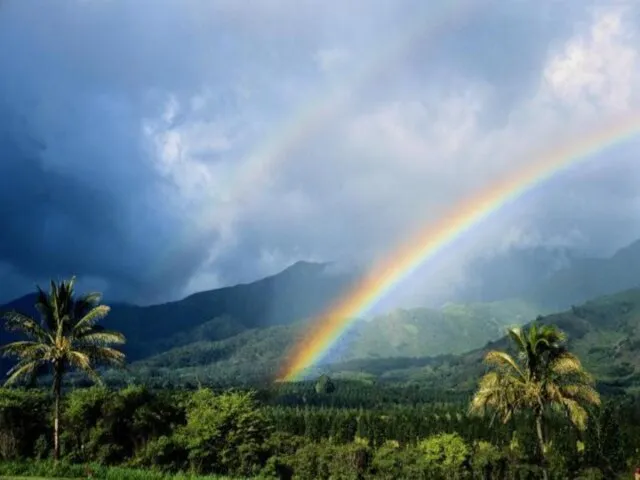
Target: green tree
{"x": 66, "y": 337}
{"x": 324, "y": 385}
{"x": 224, "y": 433}
{"x": 543, "y": 377}
{"x": 445, "y": 454}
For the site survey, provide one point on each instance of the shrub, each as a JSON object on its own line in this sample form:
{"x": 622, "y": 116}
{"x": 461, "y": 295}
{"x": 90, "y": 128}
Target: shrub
{"x": 224, "y": 433}
{"x": 24, "y": 417}
{"x": 445, "y": 454}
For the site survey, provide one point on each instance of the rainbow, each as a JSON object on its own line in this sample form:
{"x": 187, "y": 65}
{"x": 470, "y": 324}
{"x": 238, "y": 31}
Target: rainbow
{"x": 328, "y": 328}
{"x": 425, "y": 26}
{"x": 312, "y": 117}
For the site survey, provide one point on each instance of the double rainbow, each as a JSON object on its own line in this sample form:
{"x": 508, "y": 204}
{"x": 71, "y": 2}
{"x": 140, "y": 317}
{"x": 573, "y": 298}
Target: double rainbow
{"x": 427, "y": 25}
{"x": 328, "y": 328}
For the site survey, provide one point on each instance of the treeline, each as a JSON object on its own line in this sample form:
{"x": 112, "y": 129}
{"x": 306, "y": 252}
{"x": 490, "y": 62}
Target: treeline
{"x": 233, "y": 433}
{"x": 536, "y": 414}
{"x": 355, "y": 394}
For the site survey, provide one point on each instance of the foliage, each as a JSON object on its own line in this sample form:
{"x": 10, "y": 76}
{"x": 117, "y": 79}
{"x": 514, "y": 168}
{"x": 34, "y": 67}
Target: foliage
{"x": 233, "y": 433}
{"x": 223, "y": 433}
{"x": 325, "y": 385}
{"x": 67, "y": 337}
{"x": 545, "y": 375}
{"x": 23, "y": 422}
{"x": 362, "y": 430}
{"x": 543, "y": 378}
{"x": 604, "y": 333}
{"x": 47, "y": 469}
{"x": 446, "y": 454}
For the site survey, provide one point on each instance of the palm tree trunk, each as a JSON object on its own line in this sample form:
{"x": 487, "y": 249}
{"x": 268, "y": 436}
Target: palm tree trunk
{"x": 541, "y": 445}
{"x": 57, "y": 384}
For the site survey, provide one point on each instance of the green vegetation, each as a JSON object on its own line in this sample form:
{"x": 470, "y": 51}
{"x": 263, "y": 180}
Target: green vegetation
{"x": 426, "y": 424}
{"x": 66, "y": 337}
{"x": 256, "y": 354}
{"x": 543, "y": 378}
{"x": 290, "y": 431}
{"x": 243, "y": 332}
{"x": 453, "y": 329}
{"x": 604, "y": 333}
{"x": 47, "y": 470}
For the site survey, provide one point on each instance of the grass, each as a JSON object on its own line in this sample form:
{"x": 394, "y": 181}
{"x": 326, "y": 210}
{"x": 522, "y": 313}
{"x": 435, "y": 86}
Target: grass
{"x": 47, "y": 470}
{"x": 130, "y": 474}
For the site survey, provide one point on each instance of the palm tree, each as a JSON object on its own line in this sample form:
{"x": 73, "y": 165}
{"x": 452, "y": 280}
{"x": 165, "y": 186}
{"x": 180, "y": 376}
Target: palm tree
{"x": 544, "y": 377}
{"x": 66, "y": 337}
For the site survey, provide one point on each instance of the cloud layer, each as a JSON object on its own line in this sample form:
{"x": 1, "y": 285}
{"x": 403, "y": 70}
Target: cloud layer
{"x": 158, "y": 147}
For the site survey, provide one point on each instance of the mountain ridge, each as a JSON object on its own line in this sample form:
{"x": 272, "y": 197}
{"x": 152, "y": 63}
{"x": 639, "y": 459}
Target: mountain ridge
{"x": 225, "y": 324}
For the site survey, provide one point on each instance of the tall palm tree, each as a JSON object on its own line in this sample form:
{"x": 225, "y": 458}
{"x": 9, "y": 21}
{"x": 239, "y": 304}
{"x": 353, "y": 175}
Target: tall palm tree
{"x": 543, "y": 377}
{"x": 66, "y": 337}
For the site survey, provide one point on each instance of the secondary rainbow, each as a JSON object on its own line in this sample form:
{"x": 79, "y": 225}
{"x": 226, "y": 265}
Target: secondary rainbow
{"x": 424, "y": 26}
{"x": 329, "y": 327}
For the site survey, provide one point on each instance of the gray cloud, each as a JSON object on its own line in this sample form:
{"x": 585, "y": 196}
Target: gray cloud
{"x": 157, "y": 147}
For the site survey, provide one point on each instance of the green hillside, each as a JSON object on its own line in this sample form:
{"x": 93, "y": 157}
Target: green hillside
{"x": 301, "y": 291}
{"x": 456, "y": 328}
{"x": 605, "y": 333}
{"x": 257, "y": 354}
{"x": 243, "y": 333}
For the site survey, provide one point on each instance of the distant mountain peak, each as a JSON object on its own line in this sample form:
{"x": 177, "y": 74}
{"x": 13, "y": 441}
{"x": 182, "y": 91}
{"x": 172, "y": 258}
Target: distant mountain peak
{"x": 306, "y": 265}
{"x": 633, "y": 249}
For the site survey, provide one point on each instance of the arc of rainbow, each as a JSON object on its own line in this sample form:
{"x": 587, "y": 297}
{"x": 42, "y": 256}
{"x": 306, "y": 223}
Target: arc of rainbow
{"x": 313, "y": 116}
{"x": 328, "y": 328}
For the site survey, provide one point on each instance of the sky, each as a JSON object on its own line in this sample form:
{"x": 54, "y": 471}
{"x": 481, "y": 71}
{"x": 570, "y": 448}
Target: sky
{"x": 156, "y": 148}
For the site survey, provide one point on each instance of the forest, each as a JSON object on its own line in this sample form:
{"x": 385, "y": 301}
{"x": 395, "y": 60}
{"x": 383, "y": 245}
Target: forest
{"x": 535, "y": 413}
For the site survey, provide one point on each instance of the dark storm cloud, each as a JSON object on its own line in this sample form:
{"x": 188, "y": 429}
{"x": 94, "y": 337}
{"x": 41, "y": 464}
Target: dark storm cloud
{"x": 74, "y": 209}
{"x": 79, "y": 193}
{"x": 125, "y": 125}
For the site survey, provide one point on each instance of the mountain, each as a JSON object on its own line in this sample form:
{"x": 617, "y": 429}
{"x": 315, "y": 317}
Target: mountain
{"x": 589, "y": 278}
{"x": 604, "y": 333}
{"x": 556, "y": 281}
{"x": 455, "y": 328}
{"x": 554, "y": 278}
{"x": 301, "y": 291}
{"x": 257, "y": 354}
{"x": 243, "y": 332}
{"x": 512, "y": 273}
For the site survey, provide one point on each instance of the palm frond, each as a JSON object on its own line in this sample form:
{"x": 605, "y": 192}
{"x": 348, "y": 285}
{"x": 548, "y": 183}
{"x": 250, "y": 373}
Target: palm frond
{"x": 17, "y": 322}
{"x": 82, "y": 362}
{"x": 100, "y": 338}
{"x": 503, "y": 360}
{"x": 584, "y": 393}
{"x": 25, "y": 349}
{"x": 43, "y": 305}
{"x": 516, "y": 337}
{"x": 24, "y": 369}
{"x": 92, "y": 317}
{"x": 577, "y": 414}
{"x": 67, "y": 335}
{"x": 566, "y": 364}
{"x": 496, "y": 391}
{"x": 552, "y": 334}
{"x": 86, "y": 303}
{"x": 104, "y": 355}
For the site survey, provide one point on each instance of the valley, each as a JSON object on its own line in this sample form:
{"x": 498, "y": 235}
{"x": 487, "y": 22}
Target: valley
{"x": 241, "y": 334}
{"x": 396, "y": 385}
